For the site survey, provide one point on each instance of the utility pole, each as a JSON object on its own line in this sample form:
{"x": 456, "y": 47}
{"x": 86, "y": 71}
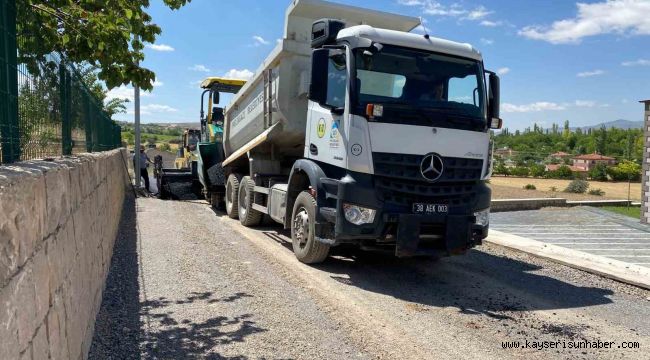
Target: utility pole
{"x": 136, "y": 105}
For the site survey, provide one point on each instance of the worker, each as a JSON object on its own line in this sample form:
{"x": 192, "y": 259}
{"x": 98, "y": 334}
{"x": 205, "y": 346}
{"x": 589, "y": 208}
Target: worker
{"x": 144, "y": 164}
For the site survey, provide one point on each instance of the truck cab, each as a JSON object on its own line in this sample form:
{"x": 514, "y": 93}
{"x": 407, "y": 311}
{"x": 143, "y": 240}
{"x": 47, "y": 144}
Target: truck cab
{"x": 407, "y": 119}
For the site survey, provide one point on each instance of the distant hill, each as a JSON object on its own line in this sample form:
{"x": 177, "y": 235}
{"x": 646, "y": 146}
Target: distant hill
{"x": 619, "y": 124}
{"x": 191, "y": 125}
{"x": 182, "y": 125}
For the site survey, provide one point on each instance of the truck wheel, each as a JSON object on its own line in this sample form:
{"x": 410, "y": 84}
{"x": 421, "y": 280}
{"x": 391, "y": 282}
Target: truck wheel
{"x": 305, "y": 246}
{"x": 247, "y": 215}
{"x": 232, "y": 194}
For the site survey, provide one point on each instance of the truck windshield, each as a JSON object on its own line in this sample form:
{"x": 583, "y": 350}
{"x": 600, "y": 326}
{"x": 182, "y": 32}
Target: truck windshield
{"x": 421, "y": 88}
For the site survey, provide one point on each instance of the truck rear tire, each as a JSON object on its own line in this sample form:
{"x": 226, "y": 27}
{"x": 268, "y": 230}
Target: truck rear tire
{"x": 307, "y": 249}
{"x": 247, "y": 215}
{"x": 232, "y": 194}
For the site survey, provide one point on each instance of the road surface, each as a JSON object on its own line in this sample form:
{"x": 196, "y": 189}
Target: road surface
{"x": 187, "y": 282}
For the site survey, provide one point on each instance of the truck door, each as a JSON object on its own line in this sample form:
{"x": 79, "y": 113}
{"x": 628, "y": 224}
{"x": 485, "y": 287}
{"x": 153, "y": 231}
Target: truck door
{"x": 325, "y": 136}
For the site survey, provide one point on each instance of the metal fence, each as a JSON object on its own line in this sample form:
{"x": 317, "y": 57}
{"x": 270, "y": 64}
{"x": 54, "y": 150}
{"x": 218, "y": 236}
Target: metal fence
{"x": 47, "y": 109}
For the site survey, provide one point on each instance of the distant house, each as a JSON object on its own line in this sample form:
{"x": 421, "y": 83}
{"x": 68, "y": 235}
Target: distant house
{"x": 589, "y": 161}
{"x": 509, "y": 163}
{"x": 504, "y": 152}
{"x": 560, "y": 155}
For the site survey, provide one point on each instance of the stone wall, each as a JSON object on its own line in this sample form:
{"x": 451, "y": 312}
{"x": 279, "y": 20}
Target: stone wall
{"x": 58, "y": 223}
{"x": 645, "y": 188}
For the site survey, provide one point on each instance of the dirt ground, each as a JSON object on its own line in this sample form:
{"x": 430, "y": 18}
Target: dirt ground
{"x": 513, "y": 188}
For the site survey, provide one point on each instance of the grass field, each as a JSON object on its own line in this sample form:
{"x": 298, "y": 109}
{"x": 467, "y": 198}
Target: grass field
{"x": 612, "y": 190}
{"x": 160, "y": 137}
{"x": 632, "y": 211}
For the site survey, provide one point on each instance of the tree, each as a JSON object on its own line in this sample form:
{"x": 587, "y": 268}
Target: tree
{"x": 520, "y": 171}
{"x": 537, "y": 170}
{"x": 626, "y": 170}
{"x": 555, "y": 128}
{"x": 501, "y": 169}
{"x": 88, "y": 75}
{"x": 567, "y": 129}
{"x": 598, "y": 172}
{"x": 115, "y": 106}
{"x": 563, "y": 172}
{"x": 630, "y": 146}
{"x": 128, "y": 137}
{"x": 601, "y": 141}
{"x": 107, "y": 34}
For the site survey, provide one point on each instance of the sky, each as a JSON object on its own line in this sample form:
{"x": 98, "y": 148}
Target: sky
{"x": 586, "y": 62}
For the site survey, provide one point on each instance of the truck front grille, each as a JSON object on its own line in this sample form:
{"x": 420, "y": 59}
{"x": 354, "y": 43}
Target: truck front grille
{"x": 399, "y": 182}
{"x": 407, "y": 167}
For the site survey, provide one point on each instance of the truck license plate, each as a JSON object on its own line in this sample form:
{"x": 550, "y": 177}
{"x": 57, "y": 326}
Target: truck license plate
{"x": 429, "y": 209}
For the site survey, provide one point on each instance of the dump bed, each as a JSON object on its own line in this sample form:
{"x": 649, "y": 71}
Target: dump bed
{"x": 272, "y": 106}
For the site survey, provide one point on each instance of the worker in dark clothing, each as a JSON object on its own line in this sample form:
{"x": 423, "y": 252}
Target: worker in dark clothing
{"x": 144, "y": 164}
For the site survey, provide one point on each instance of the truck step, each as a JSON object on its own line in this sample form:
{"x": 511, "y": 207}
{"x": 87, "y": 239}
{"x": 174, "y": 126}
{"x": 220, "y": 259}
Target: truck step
{"x": 260, "y": 208}
{"x": 262, "y": 190}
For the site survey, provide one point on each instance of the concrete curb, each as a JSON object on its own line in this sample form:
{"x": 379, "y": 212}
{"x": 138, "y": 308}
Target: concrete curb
{"x": 505, "y": 205}
{"x": 610, "y": 268}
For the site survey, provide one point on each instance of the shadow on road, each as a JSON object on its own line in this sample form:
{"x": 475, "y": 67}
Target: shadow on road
{"x": 169, "y": 337}
{"x": 476, "y": 283}
{"x": 118, "y": 327}
{"x": 127, "y": 328}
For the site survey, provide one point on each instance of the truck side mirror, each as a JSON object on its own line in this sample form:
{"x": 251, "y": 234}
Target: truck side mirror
{"x": 494, "y": 121}
{"x": 319, "y": 76}
{"x": 215, "y": 97}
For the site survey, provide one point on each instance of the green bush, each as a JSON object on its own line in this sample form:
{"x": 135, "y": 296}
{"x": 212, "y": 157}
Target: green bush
{"x": 563, "y": 172}
{"x": 501, "y": 169}
{"x": 577, "y": 186}
{"x": 537, "y": 170}
{"x": 165, "y": 147}
{"x": 596, "y": 192}
{"x": 626, "y": 170}
{"x": 520, "y": 171}
{"x": 530, "y": 187}
{"x": 599, "y": 172}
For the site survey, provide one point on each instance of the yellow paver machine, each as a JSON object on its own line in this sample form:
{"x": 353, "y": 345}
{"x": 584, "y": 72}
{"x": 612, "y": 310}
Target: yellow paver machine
{"x": 198, "y": 171}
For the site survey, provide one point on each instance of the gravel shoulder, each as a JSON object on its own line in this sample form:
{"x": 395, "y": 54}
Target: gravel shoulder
{"x": 206, "y": 287}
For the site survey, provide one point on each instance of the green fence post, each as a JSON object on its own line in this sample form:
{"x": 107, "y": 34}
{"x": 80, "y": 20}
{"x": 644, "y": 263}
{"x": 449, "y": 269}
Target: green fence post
{"x": 9, "y": 130}
{"x": 118, "y": 136}
{"x": 88, "y": 123}
{"x": 65, "y": 88}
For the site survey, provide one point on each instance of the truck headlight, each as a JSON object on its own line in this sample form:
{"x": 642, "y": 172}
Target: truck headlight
{"x": 358, "y": 215}
{"x": 482, "y": 217}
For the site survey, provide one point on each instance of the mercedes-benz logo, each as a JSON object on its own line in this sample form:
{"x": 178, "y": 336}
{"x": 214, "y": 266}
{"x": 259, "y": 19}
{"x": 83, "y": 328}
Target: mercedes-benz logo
{"x": 432, "y": 167}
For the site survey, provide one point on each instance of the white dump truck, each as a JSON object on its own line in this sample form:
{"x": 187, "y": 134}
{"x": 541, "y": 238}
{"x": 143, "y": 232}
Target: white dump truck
{"x": 355, "y": 130}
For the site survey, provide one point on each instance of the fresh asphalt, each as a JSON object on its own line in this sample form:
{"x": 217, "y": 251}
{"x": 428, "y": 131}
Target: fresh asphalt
{"x": 591, "y": 230}
{"x": 186, "y": 282}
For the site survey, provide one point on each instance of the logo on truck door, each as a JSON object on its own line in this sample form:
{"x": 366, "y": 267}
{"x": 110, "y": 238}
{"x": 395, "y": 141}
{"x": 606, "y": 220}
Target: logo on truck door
{"x": 320, "y": 128}
{"x": 432, "y": 167}
{"x": 334, "y": 135}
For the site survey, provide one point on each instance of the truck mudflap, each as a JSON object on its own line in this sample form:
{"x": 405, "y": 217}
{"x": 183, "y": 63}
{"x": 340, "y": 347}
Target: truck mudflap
{"x": 458, "y": 235}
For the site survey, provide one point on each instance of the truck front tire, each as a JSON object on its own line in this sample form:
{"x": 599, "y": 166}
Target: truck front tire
{"x": 247, "y": 215}
{"x": 232, "y": 194}
{"x": 307, "y": 249}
